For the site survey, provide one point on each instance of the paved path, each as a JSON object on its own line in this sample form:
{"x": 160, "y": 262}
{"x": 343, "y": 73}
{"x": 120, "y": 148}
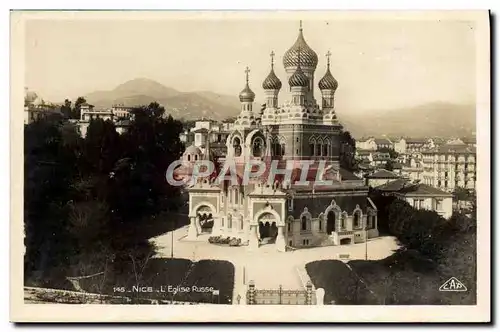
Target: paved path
{"x": 267, "y": 267}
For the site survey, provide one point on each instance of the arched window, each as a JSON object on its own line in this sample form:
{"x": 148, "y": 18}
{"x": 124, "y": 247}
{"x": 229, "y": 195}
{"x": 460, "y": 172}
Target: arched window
{"x": 282, "y": 149}
{"x": 303, "y": 223}
{"x": 357, "y": 219}
{"x": 237, "y": 147}
{"x": 319, "y": 146}
{"x": 326, "y": 148}
{"x": 312, "y": 146}
{"x": 258, "y": 146}
{"x": 189, "y": 157}
{"x": 229, "y": 221}
{"x": 195, "y": 157}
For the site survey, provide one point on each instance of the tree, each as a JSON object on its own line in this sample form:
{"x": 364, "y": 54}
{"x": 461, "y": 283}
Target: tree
{"x": 77, "y": 109}
{"x": 66, "y": 109}
{"x": 49, "y": 168}
{"x": 347, "y": 150}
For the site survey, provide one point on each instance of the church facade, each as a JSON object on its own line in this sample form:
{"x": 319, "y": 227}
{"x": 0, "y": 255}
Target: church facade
{"x": 285, "y": 214}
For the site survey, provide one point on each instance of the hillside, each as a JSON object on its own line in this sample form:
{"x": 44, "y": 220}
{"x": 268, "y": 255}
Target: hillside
{"x": 187, "y": 105}
{"x": 435, "y": 119}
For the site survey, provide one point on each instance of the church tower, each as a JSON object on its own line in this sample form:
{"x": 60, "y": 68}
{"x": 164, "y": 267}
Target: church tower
{"x": 308, "y": 62}
{"x": 299, "y": 85}
{"x": 247, "y": 96}
{"x": 271, "y": 86}
{"x": 328, "y": 85}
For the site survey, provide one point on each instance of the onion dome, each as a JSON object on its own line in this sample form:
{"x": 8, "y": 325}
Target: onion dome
{"x": 328, "y": 82}
{"x": 247, "y": 95}
{"x": 272, "y": 82}
{"x": 298, "y": 79}
{"x": 308, "y": 58}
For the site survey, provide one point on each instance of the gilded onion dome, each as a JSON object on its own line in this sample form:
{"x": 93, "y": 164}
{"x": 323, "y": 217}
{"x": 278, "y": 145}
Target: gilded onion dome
{"x": 308, "y": 58}
{"x": 272, "y": 82}
{"x": 328, "y": 82}
{"x": 298, "y": 78}
{"x": 247, "y": 95}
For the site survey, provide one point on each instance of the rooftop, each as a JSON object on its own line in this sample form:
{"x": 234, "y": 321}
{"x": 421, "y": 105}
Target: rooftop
{"x": 407, "y": 188}
{"x": 383, "y": 174}
{"x": 380, "y": 141}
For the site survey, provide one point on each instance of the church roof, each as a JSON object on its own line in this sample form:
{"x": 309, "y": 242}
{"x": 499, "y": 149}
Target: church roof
{"x": 328, "y": 82}
{"x": 308, "y": 58}
{"x": 318, "y": 204}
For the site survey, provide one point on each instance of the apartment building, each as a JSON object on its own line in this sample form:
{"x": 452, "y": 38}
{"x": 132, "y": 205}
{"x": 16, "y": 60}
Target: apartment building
{"x": 450, "y": 166}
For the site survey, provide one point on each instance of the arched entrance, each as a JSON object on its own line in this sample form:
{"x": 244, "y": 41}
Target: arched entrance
{"x": 268, "y": 228}
{"x": 205, "y": 218}
{"x": 330, "y": 222}
{"x": 268, "y": 232}
{"x": 206, "y": 222}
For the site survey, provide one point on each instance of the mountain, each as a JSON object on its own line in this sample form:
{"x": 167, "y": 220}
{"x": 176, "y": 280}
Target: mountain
{"x": 433, "y": 119}
{"x": 427, "y": 120}
{"x": 187, "y": 105}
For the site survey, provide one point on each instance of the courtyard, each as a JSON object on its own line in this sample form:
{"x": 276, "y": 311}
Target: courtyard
{"x": 265, "y": 266}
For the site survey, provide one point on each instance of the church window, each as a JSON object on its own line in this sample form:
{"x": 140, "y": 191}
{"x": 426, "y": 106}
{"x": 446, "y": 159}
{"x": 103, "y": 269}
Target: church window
{"x": 229, "y": 221}
{"x": 237, "y": 147}
{"x": 195, "y": 157}
{"x": 297, "y": 139}
{"x": 282, "y": 149}
{"x": 258, "y": 145}
{"x": 357, "y": 219}
{"x": 318, "y": 149}
{"x": 303, "y": 223}
{"x": 325, "y": 149}
{"x": 311, "y": 147}
{"x": 189, "y": 157}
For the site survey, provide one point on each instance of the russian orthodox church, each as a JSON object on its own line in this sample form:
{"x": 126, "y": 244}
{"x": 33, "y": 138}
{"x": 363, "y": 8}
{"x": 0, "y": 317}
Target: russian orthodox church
{"x": 286, "y": 214}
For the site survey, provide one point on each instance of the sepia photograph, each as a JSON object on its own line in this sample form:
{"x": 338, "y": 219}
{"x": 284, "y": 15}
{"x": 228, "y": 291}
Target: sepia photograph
{"x": 313, "y": 162}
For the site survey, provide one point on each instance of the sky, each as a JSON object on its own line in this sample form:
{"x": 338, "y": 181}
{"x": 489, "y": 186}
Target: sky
{"x": 379, "y": 64}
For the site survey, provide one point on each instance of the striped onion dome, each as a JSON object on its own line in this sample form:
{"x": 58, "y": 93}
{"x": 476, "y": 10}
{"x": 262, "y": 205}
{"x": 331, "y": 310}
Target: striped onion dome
{"x": 272, "y": 82}
{"x": 298, "y": 78}
{"x": 308, "y": 58}
{"x": 328, "y": 82}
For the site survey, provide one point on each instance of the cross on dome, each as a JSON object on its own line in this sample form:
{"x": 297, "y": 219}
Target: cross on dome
{"x": 247, "y": 71}
{"x": 328, "y": 54}
{"x": 272, "y": 59}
